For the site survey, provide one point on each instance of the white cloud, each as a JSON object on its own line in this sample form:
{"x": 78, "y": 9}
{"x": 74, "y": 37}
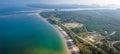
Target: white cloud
{"x": 102, "y": 2}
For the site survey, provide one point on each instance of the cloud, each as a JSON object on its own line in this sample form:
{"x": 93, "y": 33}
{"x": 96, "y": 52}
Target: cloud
{"x": 102, "y": 2}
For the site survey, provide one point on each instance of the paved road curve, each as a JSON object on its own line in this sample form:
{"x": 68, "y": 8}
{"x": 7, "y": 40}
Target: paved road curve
{"x": 113, "y": 46}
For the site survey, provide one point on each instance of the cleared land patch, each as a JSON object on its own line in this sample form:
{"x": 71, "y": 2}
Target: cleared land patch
{"x": 73, "y": 25}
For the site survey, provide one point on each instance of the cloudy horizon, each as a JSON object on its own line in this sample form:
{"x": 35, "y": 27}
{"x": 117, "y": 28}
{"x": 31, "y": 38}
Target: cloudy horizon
{"x": 84, "y": 2}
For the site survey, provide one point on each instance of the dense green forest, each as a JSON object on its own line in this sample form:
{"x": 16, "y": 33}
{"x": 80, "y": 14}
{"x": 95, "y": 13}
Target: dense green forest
{"x": 103, "y": 21}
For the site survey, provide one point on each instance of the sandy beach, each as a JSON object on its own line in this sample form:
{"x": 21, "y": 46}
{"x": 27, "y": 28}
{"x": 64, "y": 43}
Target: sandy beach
{"x": 68, "y": 42}
{"x": 56, "y": 28}
{"x": 71, "y": 47}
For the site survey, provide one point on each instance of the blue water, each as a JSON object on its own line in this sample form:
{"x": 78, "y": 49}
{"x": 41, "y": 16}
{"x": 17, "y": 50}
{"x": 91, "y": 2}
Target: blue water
{"x": 25, "y": 34}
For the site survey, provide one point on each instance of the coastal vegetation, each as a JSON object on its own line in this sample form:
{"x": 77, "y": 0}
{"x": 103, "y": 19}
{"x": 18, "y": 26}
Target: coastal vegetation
{"x": 117, "y": 46}
{"x": 100, "y": 27}
{"x": 103, "y": 21}
{"x": 84, "y": 46}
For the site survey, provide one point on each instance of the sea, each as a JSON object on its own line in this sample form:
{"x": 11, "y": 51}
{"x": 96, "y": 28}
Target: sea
{"x": 25, "y": 33}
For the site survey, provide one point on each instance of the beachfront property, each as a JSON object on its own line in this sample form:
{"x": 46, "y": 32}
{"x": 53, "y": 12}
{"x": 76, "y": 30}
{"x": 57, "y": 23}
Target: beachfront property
{"x": 70, "y": 44}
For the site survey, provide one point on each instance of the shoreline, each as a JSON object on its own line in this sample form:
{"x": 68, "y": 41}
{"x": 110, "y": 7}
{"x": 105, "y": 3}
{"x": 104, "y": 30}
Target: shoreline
{"x": 62, "y": 37}
{"x": 56, "y": 28}
{"x": 69, "y": 46}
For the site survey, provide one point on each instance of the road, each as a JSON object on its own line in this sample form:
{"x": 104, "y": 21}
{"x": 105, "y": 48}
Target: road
{"x": 111, "y": 45}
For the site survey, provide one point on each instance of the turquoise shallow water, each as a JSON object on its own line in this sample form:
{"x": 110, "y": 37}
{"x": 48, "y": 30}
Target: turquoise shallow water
{"x": 23, "y": 34}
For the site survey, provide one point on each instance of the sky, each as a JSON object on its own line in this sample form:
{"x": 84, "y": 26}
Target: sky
{"x": 100, "y": 2}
